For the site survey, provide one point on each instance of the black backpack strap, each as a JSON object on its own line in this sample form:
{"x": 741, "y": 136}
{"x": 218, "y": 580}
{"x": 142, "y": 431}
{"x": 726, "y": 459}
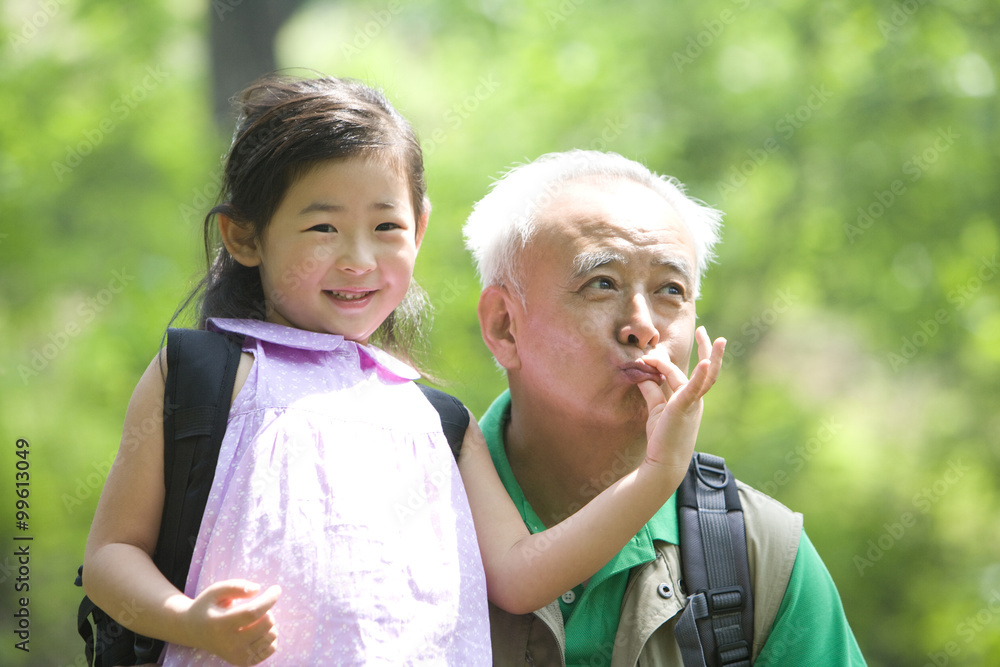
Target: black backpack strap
{"x": 454, "y": 416}
{"x": 201, "y": 372}
{"x": 107, "y": 643}
{"x": 716, "y": 627}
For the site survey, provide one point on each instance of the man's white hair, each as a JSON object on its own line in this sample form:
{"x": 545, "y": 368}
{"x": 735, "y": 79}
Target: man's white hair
{"x": 503, "y": 221}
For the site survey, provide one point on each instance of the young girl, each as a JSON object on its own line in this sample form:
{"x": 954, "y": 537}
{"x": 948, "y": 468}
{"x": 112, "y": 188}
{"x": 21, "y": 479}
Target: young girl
{"x": 338, "y": 518}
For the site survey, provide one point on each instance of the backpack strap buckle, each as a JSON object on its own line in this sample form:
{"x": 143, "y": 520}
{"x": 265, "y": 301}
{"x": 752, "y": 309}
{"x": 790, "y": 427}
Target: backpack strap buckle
{"x": 711, "y": 470}
{"x": 735, "y": 654}
{"x": 727, "y": 600}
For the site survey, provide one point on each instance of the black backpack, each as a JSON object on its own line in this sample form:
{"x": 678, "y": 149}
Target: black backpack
{"x": 201, "y": 374}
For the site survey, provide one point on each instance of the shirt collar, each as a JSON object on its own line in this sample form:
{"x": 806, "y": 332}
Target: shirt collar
{"x": 368, "y": 356}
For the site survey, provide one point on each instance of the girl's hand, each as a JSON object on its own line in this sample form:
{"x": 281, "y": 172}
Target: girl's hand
{"x": 675, "y": 406}
{"x": 241, "y": 633}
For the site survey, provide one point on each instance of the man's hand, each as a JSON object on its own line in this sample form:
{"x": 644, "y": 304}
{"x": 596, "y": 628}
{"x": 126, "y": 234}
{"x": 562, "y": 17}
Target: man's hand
{"x": 675, "y": 405}
{"x": 241, "y": 633}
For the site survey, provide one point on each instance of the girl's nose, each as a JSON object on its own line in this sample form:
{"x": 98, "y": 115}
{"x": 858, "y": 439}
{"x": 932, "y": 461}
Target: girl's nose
{"x": 356, "y": 257}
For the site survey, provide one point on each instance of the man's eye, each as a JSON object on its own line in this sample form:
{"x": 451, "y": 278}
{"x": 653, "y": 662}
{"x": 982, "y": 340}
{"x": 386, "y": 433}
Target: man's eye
{"x": 601, "y": 283}
{"x": 324, "y": 228}
{"x": 674, "y": 289}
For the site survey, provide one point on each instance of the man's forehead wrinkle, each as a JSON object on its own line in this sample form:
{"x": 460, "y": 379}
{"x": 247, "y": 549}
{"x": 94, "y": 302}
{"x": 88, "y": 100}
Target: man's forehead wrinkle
{"x": 621, "y": 241}
{"x": 599, "y": 229}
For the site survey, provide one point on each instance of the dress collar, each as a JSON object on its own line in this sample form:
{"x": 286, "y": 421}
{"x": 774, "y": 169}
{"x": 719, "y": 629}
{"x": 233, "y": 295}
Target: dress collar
{"x": 316, "y": 342}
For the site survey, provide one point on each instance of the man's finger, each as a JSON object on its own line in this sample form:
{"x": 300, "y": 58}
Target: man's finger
{"x": 707, "y": 371}
{"x": 674, "y": 377}
{"x": 704, "y": 343}
{"x": 653, "y": 395}
{"x": 718, "y": 351}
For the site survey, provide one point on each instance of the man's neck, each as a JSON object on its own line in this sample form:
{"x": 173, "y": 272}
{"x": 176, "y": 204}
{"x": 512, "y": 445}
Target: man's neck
{"x": 561, "y": 466}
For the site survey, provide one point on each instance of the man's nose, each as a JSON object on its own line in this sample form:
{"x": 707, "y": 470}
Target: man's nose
{"x": 638, "y": 328}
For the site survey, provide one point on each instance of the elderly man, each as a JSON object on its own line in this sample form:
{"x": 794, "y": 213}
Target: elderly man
{"x": 588, "y": 260}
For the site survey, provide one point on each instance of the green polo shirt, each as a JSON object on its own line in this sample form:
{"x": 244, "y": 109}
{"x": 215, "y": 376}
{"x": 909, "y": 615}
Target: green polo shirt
{"x": 809, "y": 629}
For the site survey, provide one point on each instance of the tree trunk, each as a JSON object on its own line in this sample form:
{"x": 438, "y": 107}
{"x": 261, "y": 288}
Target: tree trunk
{"x": 242, "y": 47}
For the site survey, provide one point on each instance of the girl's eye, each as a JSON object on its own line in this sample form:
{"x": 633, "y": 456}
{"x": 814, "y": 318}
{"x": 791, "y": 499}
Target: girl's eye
{"x": 324, "y": 228}
{"x": 387, "y": 226}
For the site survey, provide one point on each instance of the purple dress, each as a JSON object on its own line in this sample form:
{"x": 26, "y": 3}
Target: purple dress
{"x": 336, "y": 482}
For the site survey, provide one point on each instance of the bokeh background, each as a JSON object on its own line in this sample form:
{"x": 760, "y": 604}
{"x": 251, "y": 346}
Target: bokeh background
{"x": 853, "y": 146}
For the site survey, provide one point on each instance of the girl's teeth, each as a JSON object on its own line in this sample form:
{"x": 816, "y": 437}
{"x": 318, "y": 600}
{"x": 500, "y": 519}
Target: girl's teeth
{"x": 349, "y": 296}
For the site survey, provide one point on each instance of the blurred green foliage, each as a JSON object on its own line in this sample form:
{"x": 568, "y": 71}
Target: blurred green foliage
{"x": 853, "y": 146}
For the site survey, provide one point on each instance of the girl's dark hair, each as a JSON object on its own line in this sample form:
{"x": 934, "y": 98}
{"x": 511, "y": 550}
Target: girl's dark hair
{"x": 285, "y": 126}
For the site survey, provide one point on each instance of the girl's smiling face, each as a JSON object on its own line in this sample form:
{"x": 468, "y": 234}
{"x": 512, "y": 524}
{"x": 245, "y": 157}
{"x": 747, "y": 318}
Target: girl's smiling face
{"x": 337, "y": 256}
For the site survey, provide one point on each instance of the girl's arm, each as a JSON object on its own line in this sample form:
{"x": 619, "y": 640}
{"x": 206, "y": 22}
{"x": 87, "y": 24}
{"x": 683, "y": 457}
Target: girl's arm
{"x": 119, "y": 574}
{"x": 525, "y": 572}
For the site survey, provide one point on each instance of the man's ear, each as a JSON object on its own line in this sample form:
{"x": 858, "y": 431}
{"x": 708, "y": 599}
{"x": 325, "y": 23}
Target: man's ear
{"x": 498, "y": 312}
{"x": 239, "y": 241}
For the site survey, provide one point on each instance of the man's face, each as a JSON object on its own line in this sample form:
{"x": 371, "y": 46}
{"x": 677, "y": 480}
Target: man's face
{"x": 608, "y": 277}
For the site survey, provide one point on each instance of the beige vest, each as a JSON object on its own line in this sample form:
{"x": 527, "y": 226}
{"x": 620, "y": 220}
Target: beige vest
{"x": 653, "y": 600}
